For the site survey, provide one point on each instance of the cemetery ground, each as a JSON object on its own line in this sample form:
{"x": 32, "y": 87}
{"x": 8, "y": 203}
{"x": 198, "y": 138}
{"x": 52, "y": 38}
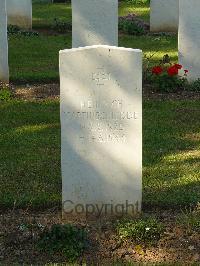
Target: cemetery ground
{"x": 40, "y": 62}
{"x": 30, "y": 176}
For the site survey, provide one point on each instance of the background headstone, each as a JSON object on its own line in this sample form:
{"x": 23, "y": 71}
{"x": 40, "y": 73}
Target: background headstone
{"x": 94, "y": 22}
{"x": 101, "y": 125}
{"x": 19, "y": 13}
{"x": 164, "y": 15}
{"x": 4, "y": 73}
{"x": 189, "y": 37}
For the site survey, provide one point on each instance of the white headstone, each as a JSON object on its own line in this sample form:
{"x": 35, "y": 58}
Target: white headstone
{"x": 20, "y": 13}
{"x": 189, "y": 37}
{"x": 164, "y": 15}
{"x": 4, "y": 73}
{"x": 94, "y": 22}
{"x": 101, "y": 125}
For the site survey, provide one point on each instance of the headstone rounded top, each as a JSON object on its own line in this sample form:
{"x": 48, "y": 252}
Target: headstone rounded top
{"x": 98, "y": 47}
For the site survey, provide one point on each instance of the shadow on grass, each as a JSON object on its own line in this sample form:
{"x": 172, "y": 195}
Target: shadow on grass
{"x": 171, "y": 141}
{"x": 30, "y": 154}
{"x": 44, "y": 14}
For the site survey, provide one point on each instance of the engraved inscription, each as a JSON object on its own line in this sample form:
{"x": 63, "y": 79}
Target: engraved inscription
{"x": 90, "y": 104}
{"x": 100, "y": 76}
{"x": 103, "y": 121}
{"x": 99, "y": 127}
{"x": 104, "y": 138}
{"x": 99, "y": 115}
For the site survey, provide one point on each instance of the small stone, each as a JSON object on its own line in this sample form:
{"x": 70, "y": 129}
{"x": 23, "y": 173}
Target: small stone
{"x": 191, "y": 247}
{"x": 196, "y": 257}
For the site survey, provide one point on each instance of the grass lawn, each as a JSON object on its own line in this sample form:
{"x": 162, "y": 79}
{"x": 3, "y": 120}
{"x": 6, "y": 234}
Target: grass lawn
{"x": 30, "y": 153}
{"x": 44, "y": 14}
{"x": 142, "y": 10}
{"x": 35, "y": 59}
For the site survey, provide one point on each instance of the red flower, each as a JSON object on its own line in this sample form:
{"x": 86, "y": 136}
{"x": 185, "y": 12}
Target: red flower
{"x": 186, "y": 71}
{"x": 178, "y": 66}
{"x": 172, "y": 71}
{"x": 157, "y": 70}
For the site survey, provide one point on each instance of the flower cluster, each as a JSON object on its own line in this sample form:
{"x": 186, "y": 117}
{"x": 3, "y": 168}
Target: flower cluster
{"x": 165, "y": 76}
{"x": 157, "y": 70}
{"x": 172, "y": 70}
